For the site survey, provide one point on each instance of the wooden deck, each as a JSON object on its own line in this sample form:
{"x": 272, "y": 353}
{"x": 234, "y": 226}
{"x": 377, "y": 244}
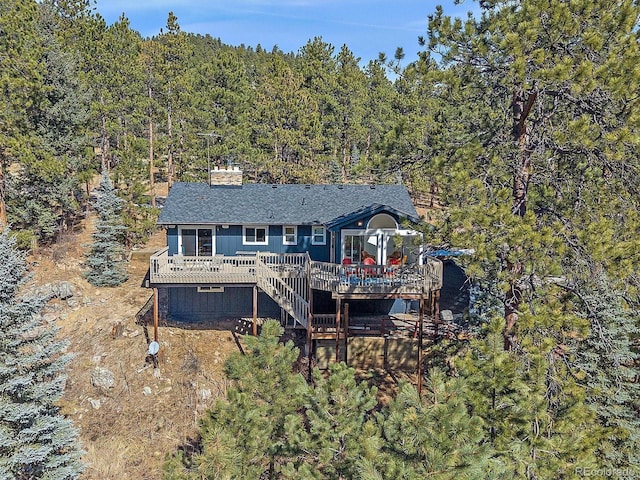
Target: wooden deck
{"x": 289, "y": 278}
{"x": 182, "y": 270}
{"x": 342, "y": 280}
{"x": 394, "y": 326}
{"x": 377, "y": 281}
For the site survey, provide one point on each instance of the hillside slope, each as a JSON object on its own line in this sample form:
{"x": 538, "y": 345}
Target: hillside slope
{"x": 129, "y": 414}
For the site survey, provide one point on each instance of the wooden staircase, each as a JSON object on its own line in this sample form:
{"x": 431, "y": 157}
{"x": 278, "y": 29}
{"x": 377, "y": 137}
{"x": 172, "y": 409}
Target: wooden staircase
{"x": 285, "y": 278}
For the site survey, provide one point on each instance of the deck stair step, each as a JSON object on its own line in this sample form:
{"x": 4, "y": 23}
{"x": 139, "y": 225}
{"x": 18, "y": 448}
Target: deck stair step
{"x": 271, "y": 280}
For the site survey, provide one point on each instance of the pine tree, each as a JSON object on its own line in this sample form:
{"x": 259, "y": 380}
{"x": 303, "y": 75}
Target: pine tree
{"x": 44, "y": 195}
{"x": 540, "y": 134}
{"x": 607, "y": 366}
{"x": 274, "y": 425}
{"x": 174, "y": 51}
{"x": 22, "y": 92}
{"x": 316, "y": 64}
{"x": 287, "y": 125}
{"x": 246, "y": 436}
{"x": 432, "y": 436}
{"x": 120, "y": 104}
{"x": 36, "y": 440}
{"x": 337, "y": 430}
{"x": 380, "y": 96}
{"x": 106, "y": 260}
{"x": 224, "y": 107}
{"x": 534, "y": 413}
{"x": 536, "y": 99}
{"x": 350, "y": 99}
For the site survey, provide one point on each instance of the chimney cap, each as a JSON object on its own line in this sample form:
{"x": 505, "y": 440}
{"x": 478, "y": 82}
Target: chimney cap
{"x": 225, "y": 176}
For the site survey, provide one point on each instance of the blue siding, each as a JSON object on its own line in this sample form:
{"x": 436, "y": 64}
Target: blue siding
{"x": 187, "y": 303}
{"x": 338, "y": 252}
{"x": 229, "y": 242}
{"x": 275, "y": 239}
{"x": 316, "y": 252}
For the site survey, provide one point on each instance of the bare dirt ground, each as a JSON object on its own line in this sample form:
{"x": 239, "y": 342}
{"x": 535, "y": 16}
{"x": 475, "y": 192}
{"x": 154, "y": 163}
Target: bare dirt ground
{"x": 128, "y": 428}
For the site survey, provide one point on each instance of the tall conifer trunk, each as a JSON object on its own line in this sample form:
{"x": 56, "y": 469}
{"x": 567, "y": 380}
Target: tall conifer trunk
{"x": 170, "y": 149}
{"x": 521, "y": 106}
{"x": 3, "y": 208}
{"x": 345, "y": 162}
{"x": 104, "y": 140}
{"x": 151, "y": 178}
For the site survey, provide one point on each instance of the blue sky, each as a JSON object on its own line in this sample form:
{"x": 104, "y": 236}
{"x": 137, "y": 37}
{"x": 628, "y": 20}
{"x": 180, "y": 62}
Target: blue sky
{"x": 365, "y": 26}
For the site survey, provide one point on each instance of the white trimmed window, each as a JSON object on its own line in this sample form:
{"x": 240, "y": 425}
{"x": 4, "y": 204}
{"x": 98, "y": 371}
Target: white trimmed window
{"x": 289, "y": 235}
{"x": 255, "y": 235}
{"x": 318, "y": 235}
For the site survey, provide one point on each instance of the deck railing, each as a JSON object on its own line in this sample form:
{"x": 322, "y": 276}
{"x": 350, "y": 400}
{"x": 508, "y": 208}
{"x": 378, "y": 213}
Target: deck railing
{"x": 294, "y": 271}
{"x": 180, "y": 269}
{"x": 284, "y": 278}
{"x": 377, "y": 279}
{"x": 324, "y": 322}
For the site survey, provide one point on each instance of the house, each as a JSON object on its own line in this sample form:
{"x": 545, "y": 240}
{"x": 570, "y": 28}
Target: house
{"x": 294, "y": 252}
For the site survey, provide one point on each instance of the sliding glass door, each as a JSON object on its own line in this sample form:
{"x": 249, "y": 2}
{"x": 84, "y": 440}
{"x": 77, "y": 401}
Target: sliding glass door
{"x": 352, "y": 248}
{"x": 197, "y": 242}
{"x": 356, "y": 244}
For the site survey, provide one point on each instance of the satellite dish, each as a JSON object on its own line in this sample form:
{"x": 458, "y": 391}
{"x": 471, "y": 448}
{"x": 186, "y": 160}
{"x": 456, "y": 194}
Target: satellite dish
{"x": 153, "y": 348}
{"x": 446, "y": 315}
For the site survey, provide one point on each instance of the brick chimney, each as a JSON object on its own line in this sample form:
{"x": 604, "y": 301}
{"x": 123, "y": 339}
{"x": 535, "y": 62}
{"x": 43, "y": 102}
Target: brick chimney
{"x": 225, "y": 176}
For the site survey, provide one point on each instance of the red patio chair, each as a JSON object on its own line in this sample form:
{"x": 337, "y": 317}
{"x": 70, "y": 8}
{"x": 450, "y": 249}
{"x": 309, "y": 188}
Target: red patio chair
{"x": 369, "y": 271}
{"x": 348, "y": 268}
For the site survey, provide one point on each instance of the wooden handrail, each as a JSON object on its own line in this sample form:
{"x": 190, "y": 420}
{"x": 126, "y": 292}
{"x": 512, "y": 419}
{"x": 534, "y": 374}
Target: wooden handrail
{"x": 179, "y": 269}
{"x": 377, "y": 278}
{"x": 284, "y": 278}
{"x": 287, "y": 277}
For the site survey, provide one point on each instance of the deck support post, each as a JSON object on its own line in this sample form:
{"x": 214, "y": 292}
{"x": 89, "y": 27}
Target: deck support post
{"x": 338, "y": 306}
{"x": 420, "y": 329}
{"x": 435, "y": 311}
{"x": 346, "y": 330}
{"x": 254, "y": 326}
{"x": 310, "y": 327}
{"x": 155, "y": 314}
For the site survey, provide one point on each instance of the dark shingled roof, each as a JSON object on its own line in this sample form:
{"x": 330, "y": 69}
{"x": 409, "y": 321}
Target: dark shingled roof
{"x": 260, "y": 204}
